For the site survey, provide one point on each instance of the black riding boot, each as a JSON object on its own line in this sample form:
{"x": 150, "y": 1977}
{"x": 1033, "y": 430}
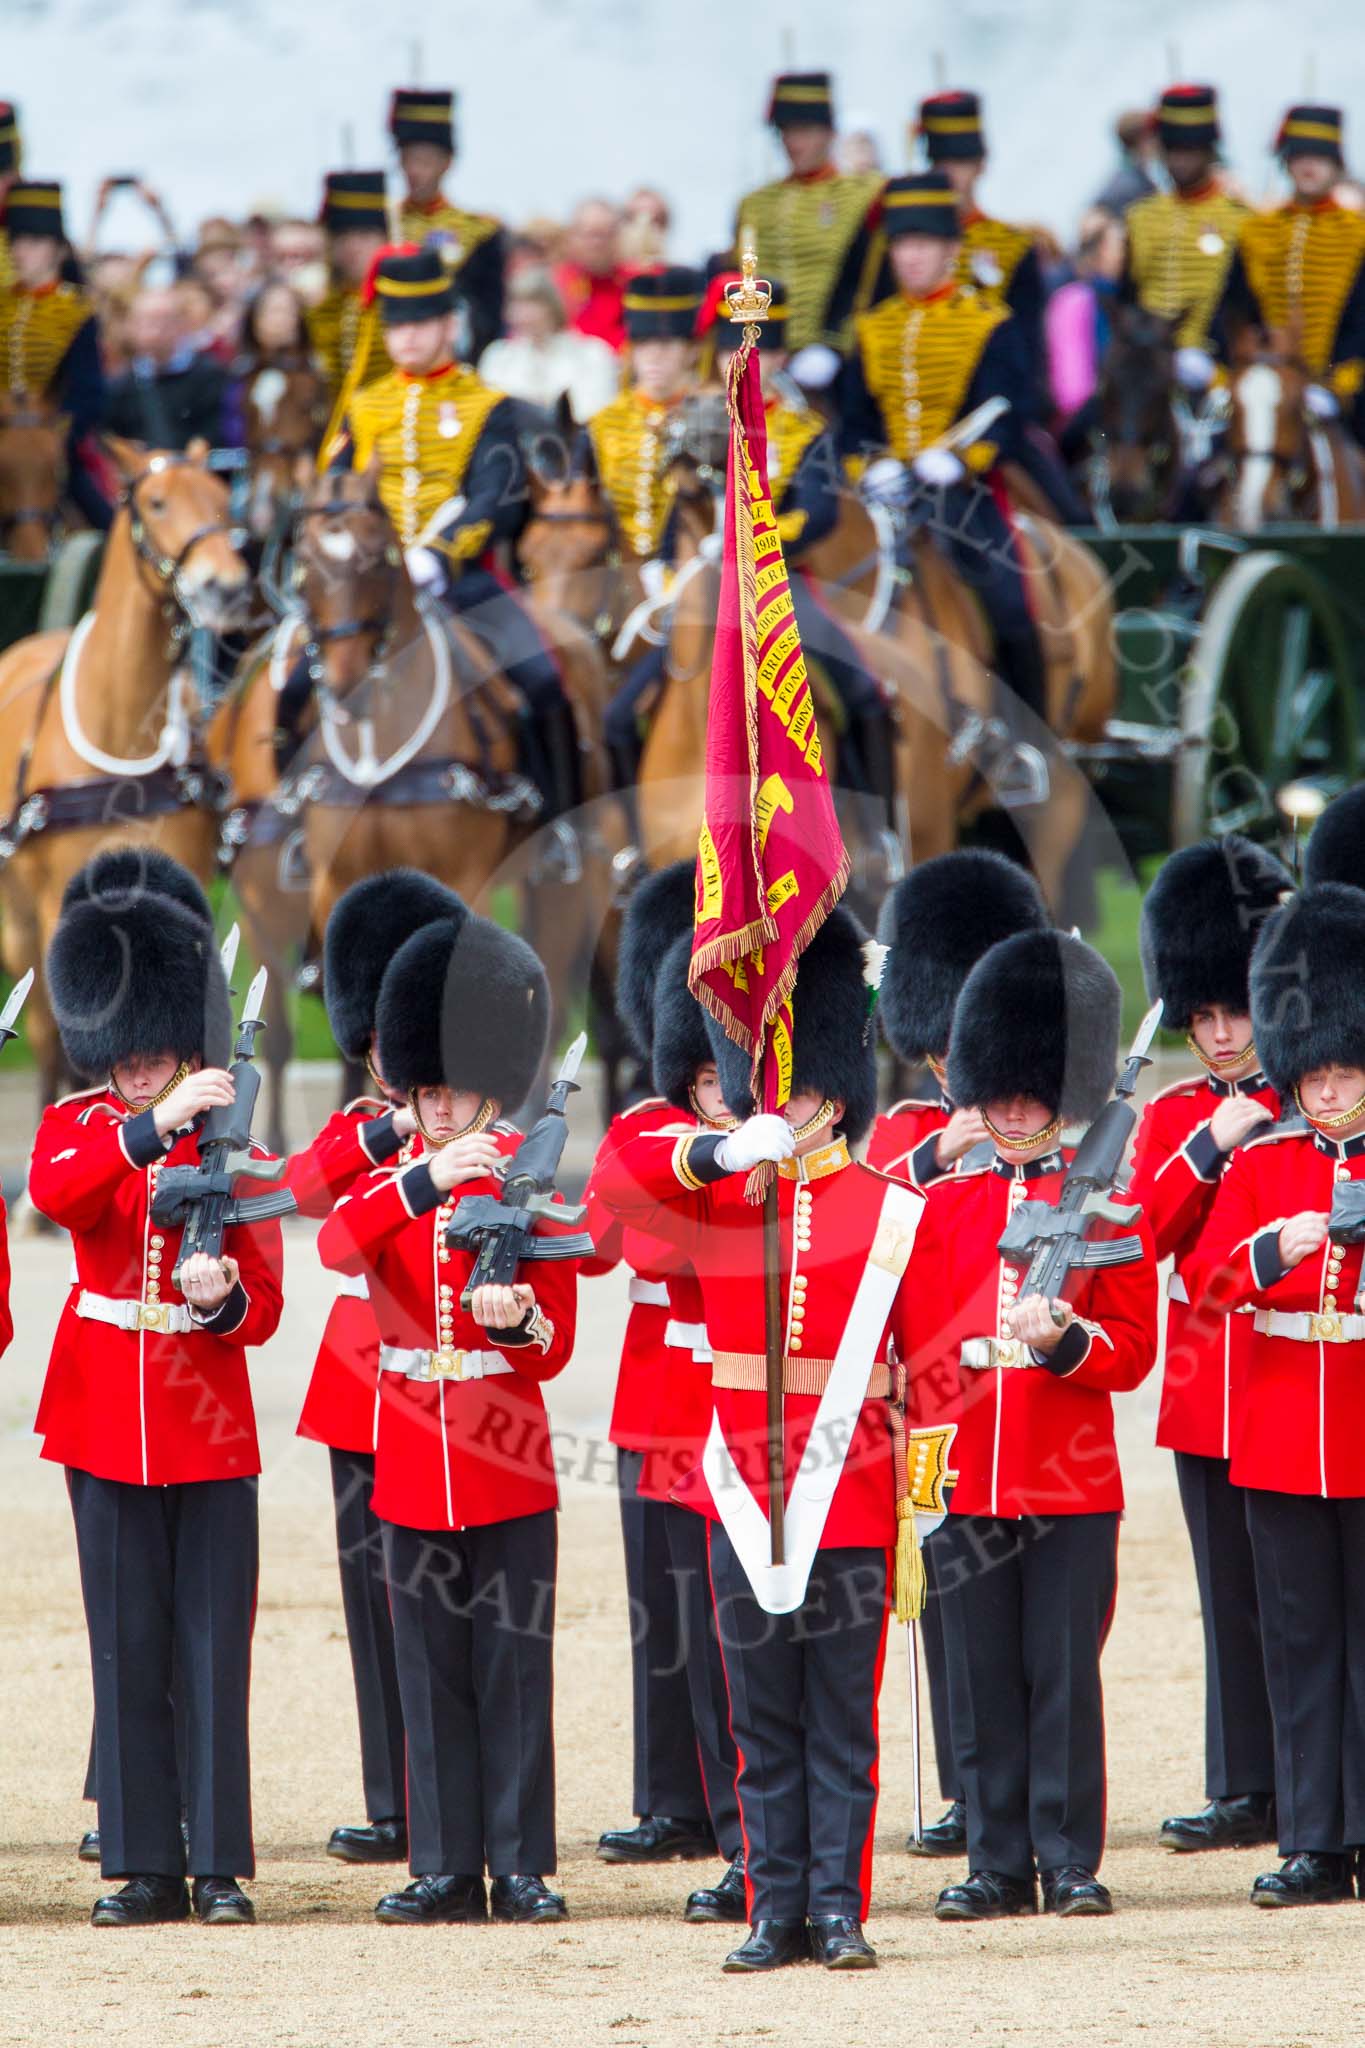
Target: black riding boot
{"x": 877, "y": 747}
{"x": 290, "y": 706}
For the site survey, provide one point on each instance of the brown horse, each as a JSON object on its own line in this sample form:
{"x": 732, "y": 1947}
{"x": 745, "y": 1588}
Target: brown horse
{"x": 97, "y": 725}
{"x": 32, "y": 474}
{"x": 284, "y": 412}
{"x": 1281, "y": 462}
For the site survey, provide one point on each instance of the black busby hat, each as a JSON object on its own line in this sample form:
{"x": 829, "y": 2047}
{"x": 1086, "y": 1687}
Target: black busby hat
{"x": 681, "y": 1043}
{"x": 354, "y": 199}
{"x": 801, "y": 99}
{"x": 33, "y": 206}
{"x": 726, "y": 333}
{"x": 833, "y": 1049}
{"x": 420, "y": 113}
{"x": 660, "y": 910}
{"x": 1187, "y": 117}
{"x": 10, "y": 147}
{"x": 367, "y": 926}
{"x": 412, "y": 284}
{"x": 920, "y": 203}
{"x": 136, "y": 972}
{"x": 950, "y": 123}
{"x": 1336, "y": 844}
{"x": 1307, "y": 1005}
{"x": 1199, "y": 924}
{"x": 466, "y": 1005}
{"x": 938, "y": 922}
{"x": 1038, "y": 1015}
{"x": 1311, "y": 131}
{"x": 123, "y": 873}
{"x": 663, "y": 303}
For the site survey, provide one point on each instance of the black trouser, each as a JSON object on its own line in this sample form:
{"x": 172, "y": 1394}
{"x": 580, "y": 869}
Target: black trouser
{"x": 1029, "y": 1604}
{"x": 667, "y": 1775}
{"x": 1239, "y": 1738}
{"x": 1310, "y": 1580}
{"x": 168, "y": 1575}
{"x": 549, "y": 735}
{"x": 369, "y": 1632}
{"x": 91, "y": 1789}
{"x": 969, "y": 525}
{"x": 705, "y": 1672}
{"x": 621, "y": 721}
{"x": 473, "y": 1629}
{"x": 931, "y": 1627}
{"x": 803, "y": 1707}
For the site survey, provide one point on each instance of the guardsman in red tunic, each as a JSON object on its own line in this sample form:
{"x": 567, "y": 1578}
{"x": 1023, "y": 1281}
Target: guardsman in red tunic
{"x": 938, "y": 922}
{"x": 464, "y": 1471}
{"x": 1299, "y": 1445}
{"x": 1199, "y": 923}
{"x": 342, "y": 1403}
{"x": 670, "y": 1792}
{"x": 1028, "y": 1560}
{"x": 147, "y": 1401}
{"x": 803, "y": 1644}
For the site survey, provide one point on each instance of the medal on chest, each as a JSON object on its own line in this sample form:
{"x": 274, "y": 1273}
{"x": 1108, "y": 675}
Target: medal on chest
{"x": 448, "y": 420}
{"x": 1210, "y": 243}
{"x": 986, "y": 270}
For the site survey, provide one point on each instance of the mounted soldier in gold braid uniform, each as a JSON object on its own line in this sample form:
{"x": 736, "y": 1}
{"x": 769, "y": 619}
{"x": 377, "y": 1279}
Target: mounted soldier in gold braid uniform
{"x": 471, "y": 245}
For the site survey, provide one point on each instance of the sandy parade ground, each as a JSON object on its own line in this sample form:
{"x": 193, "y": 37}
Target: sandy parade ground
{"x": 1185, "y": 1956}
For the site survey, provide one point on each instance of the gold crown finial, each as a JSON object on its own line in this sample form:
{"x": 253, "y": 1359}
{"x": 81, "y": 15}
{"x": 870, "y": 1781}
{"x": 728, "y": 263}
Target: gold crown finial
{"x": 750, "y": 299}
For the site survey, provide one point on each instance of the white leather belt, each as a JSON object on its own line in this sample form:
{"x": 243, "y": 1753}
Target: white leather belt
{"x": 1176, "y": 1288}
{"x": 354, "y": 1286}
{"x": 983, "y": 1354}
{"x": 1305, "y": 1327}
{"x": 442, "y": 1365}
{"x": 171, "y": 1318}
{"x": 689, "y": 1337}
{"x": 647, "y": 1293}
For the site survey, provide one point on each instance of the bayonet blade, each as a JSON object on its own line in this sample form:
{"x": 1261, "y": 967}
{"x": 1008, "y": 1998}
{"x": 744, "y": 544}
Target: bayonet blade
{"x": 255, "y": 996}
{"x": 1146, "y": 1031}
{"x": 227, "y": 952}
{"x": 573, "y": 1059}
{"x": 18, "y": 996}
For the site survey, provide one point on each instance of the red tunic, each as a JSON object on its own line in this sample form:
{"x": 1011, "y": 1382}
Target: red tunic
{"x": 1177, "y": 1169}
{"x": 143, "y": 1406}
{"x": 906, "y": 1129}
{"x": 1029, "y": 1442}
{"x": 449, "y": 1453}
{"x": 341, "y": 1407}
{"x": 1301, "y": 1426}
{"x": 827, "y": 1219}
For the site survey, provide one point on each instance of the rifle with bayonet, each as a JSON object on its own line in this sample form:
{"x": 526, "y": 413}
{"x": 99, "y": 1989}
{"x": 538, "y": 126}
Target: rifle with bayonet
{"x": 1053, "y": 1240}
{"x": 500, "y": 1229}
{"x": 200, "y": 1199}
{"x": 9, "y": 1016}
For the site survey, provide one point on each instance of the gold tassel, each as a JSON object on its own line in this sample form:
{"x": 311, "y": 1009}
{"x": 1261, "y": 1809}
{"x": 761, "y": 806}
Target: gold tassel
{"x": 350, "y": 384}
{"x": 909, "y": 1584}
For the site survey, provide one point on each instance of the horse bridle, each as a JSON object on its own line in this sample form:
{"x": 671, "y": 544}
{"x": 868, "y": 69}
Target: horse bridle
{"x": 379, "y": 623}
{"x": 165, "y": 567}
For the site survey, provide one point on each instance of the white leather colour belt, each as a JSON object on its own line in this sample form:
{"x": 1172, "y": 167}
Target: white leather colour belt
{"x": 170, "y": 1318}
{"x": 442, "y": 1365}
{"x": 1305, "y": 1327}
{"x": 689, "y": 1337}
{"x": 647, "y": 1293}
{"x": 354, "y": 1286}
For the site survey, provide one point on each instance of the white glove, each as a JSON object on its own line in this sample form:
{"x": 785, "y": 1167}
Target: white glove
{"x": 815, "y": 366}
{"x": 761, "y": 1138}
{"x": 939, "y": 466}
{"x": 1320, "y": 403}
{"x": 1195, "y": 369}
{"x": 886, "y": 482}
{"x": 425, "y": 568}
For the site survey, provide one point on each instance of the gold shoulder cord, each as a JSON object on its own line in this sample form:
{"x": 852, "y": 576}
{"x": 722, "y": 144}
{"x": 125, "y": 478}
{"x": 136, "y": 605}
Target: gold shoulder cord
{"x": 137, "y": 1107}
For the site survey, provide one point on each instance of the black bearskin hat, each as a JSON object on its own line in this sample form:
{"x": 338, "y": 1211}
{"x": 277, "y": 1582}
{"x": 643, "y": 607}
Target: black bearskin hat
{"x": 833, "y": 1049}
{"x": 465, "y": 1004}
{"x": 367, "y": 926}
{"x": 1307, "y": 1005}
{"x": 660, "y": 910}
{"x": 681, "y": 1044}
{"x": 122, "y": 873}
{"x": 1038, "y": 1015}
{"x": 1336, "y": 844}
{"x": 1199, "y": 924}
{"x": 938, "y": 922}
{"x": 135, "y": 974}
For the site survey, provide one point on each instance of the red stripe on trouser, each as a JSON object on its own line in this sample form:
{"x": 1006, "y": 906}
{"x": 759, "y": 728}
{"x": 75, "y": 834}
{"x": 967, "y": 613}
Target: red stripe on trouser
{"x": 515, "y": 591}
{"x": 739, "y": 1754}
{"x": 996, "y": 486}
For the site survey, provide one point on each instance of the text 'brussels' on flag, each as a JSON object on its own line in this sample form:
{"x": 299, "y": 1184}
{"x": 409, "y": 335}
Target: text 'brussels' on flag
{"x": 771, "y": 862}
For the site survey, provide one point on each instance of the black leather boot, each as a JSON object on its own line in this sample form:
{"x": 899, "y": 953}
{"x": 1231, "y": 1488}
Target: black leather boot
{"x": 658, "y": 1838}
{"x": 143, "y": 1902}
{"x": 1310, "y": 1878}
{"x": 1074, "y": 1890}
{"x": 947, "y": 1837}
{"x": 772, "y": 1944}
{"x": 221, "y": 1902}
{"x": 525, "y": 1899}
{"x": 987, "y": 1895}
{"x": 381, "y": 1841}
{"x": 435, "y": 1901}
{"x": 1223, "y": 1824}
{"x": 840, "y": 1944}
{"x": 723, "y": 1901}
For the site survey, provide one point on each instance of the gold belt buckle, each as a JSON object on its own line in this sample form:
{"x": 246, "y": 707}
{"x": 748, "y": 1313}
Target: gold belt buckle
{"x": 448, "y": 1365}
{"x": 1326, "y": 1328}
{"x": 1005, "y": 1351}
{"x": 151, "y": 1315}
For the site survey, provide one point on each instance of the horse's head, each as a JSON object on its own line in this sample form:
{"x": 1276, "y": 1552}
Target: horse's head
{"x": 566, "y": 539}
{"x": 32, "y": 473}
{"x": 285, "y": 415}
{"x": 349, "y": 577}
{"x": 185, "y": 545}
{"x": 1267, "y": 446}
{"x": 1137, "y": 423}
